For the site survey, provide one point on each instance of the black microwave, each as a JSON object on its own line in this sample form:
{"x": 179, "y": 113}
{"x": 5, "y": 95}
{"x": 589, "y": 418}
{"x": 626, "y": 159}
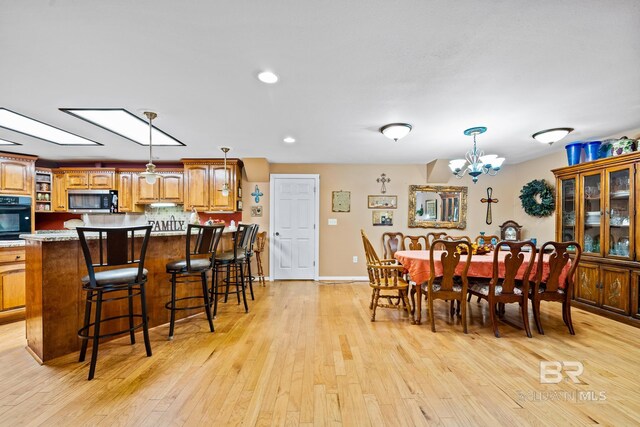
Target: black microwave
{"x": 15, "y": 216}
{"x": 92, "y": 201}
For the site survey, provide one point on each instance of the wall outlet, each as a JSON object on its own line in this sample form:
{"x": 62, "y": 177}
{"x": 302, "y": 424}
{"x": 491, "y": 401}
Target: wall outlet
{"x": 355, "y": 259}
{"x": 333, "y": 221}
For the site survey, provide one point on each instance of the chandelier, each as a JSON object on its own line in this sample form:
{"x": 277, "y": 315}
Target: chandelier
{"x": 478, "y": 162}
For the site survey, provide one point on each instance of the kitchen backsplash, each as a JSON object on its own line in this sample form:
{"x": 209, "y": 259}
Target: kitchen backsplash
{"x": 162, "y": 219}
{"x": 173, "y": 218}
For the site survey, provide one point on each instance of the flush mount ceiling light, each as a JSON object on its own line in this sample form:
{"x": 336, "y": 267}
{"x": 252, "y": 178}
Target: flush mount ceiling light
{"x": 289, "y": 140}
{"x": 549, "y": 136}
{"x": 396, "y": 131}
{"x": 479, "y": 163}
{"x": 225, "y": 186}
{"x": 28, "y": 126}
{"x": 123, "y": 123}
{"x": 150, "y": 175}
{"x": 5, "y": 142}
{"x": 268, "y": 77}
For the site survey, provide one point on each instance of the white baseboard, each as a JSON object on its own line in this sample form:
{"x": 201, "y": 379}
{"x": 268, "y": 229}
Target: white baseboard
{"x": 345, "y": 278}
{"x": 335, "y": 278}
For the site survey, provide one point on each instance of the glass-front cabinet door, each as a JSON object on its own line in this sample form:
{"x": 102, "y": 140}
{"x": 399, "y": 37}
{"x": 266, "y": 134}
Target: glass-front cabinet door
{"x": 568, "y": 209}
{"x": 619, "y": 213}
{"x": 592, "y": 211}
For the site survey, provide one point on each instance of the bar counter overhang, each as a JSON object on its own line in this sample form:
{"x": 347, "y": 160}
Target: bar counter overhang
{"x": 55, "y": 300}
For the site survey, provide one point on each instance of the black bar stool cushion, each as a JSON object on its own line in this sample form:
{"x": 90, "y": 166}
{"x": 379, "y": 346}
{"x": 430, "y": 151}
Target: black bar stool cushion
{"x": 228, "y": 256}
{"x": 181, "y": 265}
{"x": 118, "y": 276}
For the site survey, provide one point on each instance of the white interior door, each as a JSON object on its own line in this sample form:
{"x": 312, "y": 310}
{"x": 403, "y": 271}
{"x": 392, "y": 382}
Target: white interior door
{"x": 294, "y": 212}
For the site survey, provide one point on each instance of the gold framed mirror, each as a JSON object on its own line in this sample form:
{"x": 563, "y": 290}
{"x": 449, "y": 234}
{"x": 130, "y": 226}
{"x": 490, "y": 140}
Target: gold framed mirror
{"x": 437, "y": 206}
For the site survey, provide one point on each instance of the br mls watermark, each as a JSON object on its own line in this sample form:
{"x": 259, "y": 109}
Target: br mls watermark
{"x": 555, "y": 372}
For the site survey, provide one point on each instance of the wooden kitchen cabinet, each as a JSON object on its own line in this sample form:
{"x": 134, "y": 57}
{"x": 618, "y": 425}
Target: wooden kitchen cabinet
{"x": 204, "y": 180}
{"x": 90, "y": 179}
{"x": 16, "y": 174}
{"x": 126, "y": 196}
{"x": 169, "y": 187}
{"x": 59, "y": 193}
{"x": 12, "y": 278}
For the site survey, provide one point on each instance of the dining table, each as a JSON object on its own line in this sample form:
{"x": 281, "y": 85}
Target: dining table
{"x": 418, "y": 266}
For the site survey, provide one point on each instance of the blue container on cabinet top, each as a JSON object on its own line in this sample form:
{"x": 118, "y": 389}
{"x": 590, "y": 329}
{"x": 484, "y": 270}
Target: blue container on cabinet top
{"x": 591, "y": 150}
{"x": 574, "y": 151}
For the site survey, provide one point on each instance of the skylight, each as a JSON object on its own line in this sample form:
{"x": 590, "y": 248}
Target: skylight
{"x": 28, "y": 126}
{"x": 5, "y": 142}
{"x": 123, "y": 123}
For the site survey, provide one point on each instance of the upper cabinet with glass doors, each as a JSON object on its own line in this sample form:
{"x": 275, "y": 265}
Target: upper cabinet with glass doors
{"x": 596, "y": 206}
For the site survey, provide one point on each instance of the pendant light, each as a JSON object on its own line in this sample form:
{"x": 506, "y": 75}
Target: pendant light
{"x": 225, "y": 186}
{"x": 150, "y": 174}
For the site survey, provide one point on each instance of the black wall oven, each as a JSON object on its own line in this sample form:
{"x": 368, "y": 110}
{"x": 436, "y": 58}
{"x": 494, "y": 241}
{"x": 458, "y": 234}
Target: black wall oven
{"x": 15, "y": 216}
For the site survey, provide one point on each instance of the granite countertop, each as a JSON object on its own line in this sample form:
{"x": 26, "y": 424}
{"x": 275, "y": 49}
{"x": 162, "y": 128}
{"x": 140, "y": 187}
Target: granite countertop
{"x": 11, "y": 243}
{"x": 66, "y": 235}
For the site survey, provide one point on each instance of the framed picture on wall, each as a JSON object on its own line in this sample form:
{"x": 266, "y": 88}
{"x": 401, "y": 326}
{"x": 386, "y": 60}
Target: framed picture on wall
{"x": 256, "y": 210}
{"x": 341, "y": 201}
{"x": 382, "y": 202}
{"x": 382, "y": 217}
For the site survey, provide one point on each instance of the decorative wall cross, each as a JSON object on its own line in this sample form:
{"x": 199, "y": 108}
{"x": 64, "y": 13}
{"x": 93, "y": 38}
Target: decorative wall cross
{"x": 257, "y": 194}
{"x": 383, "y": 179}
{"x": 488, "y": 201}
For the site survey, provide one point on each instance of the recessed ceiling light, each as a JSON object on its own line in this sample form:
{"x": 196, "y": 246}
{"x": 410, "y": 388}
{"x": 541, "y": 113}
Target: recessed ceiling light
{"x": 396, "y": 131}
{"x": 123, "y": 123}
{"x": 5, "y": 142}
{"x": 549, "y": 136}
{"x": 289, "y": 140}
{"x": 28, "y": 126}
{"x": 267, "y": 77}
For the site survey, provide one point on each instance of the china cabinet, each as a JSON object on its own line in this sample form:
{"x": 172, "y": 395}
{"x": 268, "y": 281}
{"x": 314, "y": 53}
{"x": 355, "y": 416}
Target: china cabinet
{"x": 596, "y": 207}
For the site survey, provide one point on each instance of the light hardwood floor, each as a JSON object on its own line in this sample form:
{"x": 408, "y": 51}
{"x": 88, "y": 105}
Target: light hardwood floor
{"x": 307, "y": 354}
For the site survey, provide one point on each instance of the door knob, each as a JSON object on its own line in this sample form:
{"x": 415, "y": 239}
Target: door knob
{"x": 277, "y": 234}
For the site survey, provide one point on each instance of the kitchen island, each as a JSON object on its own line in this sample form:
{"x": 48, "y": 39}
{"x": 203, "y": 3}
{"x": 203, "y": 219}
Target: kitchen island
{"x": 55, "y": 300}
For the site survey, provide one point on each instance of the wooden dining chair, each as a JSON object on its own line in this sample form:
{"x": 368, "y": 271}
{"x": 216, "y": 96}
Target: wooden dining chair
{"x": 451, "y": 239}
{"x": 415, "y": 243}
{"x": 504, "y": 286}
{"x": 450, "y": 286}
{"x": 551, "y": 289}
{"x": 385, "y": 280}
{"x": 392, "y": 242}
{"x": 431, "y": 236}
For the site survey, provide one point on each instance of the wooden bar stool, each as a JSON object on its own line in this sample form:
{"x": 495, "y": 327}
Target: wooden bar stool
{"x": 261, "y": 240}
{"x": 253, "y": 232}
{"x": 201, "y": 245}
{"x": 115, "y": 246}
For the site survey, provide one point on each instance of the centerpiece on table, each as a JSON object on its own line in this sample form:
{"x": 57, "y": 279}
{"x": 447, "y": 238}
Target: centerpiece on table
{"x": 476, "y": 249}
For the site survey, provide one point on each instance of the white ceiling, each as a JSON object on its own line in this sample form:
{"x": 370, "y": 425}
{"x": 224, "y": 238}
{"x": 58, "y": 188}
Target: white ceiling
{"x": 346, "y": 68}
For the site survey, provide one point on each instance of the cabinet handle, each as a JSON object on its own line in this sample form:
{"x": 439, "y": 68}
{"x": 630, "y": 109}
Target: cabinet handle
{"x": 18, "y": 257}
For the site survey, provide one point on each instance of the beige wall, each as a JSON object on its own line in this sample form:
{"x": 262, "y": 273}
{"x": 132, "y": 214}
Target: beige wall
{"x": 339, "y": 243}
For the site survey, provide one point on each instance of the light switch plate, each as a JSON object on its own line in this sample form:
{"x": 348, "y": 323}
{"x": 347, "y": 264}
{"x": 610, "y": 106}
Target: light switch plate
{"x": 333, "y": 221}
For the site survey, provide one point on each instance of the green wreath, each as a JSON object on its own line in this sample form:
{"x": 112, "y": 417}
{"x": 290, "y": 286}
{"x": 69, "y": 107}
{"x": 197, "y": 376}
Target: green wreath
{"x": 540, "y": 188}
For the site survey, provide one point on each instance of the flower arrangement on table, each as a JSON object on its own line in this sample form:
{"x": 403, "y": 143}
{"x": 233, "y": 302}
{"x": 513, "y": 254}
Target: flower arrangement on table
{"x": 476, "y": 249}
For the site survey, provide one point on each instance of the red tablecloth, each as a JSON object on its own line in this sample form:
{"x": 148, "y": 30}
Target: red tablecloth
{"x": 417, "y": 264}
